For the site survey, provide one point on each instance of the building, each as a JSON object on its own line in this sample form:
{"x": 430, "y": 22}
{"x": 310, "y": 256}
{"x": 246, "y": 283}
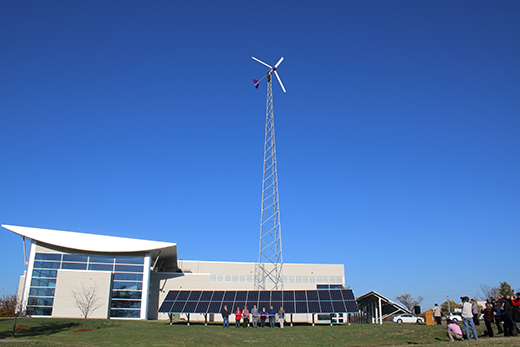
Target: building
{"x": 134, "y": 276}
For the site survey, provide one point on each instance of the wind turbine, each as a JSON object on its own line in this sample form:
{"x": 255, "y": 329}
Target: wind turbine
{"x": 272, "y": 69}
{"x": 268, "y": 270}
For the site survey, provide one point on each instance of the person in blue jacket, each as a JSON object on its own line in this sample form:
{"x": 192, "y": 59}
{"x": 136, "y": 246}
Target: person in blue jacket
{"x": 272, "y": 317}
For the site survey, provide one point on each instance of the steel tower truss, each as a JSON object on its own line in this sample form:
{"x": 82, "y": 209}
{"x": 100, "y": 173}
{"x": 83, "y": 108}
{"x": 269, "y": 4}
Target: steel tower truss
{"x": 269, "y": 274}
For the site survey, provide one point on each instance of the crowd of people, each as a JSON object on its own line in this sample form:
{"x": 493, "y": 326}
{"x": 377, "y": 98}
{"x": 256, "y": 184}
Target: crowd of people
{"x": 503, "y": 312}
{"x": 256, "y": 317}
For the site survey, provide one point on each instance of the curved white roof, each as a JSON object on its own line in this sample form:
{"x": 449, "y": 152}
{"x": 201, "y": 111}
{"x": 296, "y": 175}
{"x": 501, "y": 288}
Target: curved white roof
{"x": 91, "y": 242}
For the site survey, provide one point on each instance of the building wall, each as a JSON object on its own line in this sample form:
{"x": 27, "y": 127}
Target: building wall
{"x": 206, "y": 275}
{"x": 69, "y": 280}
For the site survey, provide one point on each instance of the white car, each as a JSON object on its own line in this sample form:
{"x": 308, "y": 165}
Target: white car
{"x": 455, "y": 316}
{"x": 407, "y": 318}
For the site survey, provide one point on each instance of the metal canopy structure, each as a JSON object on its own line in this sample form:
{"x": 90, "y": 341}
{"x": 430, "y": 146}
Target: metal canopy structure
{"x": 377, "y": 307}
{"x": 293, "y": 301}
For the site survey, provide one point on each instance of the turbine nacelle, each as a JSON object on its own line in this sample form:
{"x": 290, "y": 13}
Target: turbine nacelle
{"x": 272, "y": 69}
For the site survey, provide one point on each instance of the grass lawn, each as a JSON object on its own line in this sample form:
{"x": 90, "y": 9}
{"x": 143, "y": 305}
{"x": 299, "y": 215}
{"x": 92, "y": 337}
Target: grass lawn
{"x": 60, "y": 332}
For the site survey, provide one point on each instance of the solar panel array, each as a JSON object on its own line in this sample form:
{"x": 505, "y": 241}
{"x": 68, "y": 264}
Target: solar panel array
{"x": 293, "y": 301}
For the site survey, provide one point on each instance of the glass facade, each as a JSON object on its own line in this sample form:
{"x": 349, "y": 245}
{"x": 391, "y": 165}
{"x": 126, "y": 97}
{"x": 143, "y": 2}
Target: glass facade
{"x": 127, "y": 283}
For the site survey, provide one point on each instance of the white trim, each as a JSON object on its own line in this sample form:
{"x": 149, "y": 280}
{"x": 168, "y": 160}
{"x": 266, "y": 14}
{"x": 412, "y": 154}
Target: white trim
{"x": 145, "y": 290}
{"x": 88, "y": 242}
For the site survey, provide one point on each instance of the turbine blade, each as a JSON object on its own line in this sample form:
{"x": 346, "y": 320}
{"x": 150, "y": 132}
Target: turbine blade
{"x": 279, "y": 62}
{"x": 279, "y": 80}
{"x": 261, "y": 62}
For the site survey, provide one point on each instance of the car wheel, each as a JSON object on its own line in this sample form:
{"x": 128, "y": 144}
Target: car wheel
{"x": 419, "y": 321}
{"x": 455, "y": 320}
{"x": 399, "y": 321}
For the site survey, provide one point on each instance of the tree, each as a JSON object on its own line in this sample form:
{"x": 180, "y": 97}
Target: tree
{"x": 408, "y": 301}
{"x": 86, "y": 300}
{"x": 8, "y": 306}
{"x": 488, "y": 292}
{"x": 505, "y": 289}
{"x": 448, "y": 306}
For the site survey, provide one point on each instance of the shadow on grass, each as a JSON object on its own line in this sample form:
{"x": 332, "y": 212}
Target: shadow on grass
{"x": 41, "y": 329}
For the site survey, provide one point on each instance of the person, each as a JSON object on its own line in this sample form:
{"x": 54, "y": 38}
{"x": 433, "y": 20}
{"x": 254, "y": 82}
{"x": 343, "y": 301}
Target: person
{"x": 454, "y": 331}
{"x": 467, "y": 318}
{"x": 254, "y": 316}
{"x": 245, "y": 317}
{"x": 507, "y": 316}
{"x": 515, "y": 302}
{"x": 497, "y": 316}
{"x": 475, "y": 311}
{"x": 488, "y": 319}
{"x": 225, "y": 316}
{"x": 281, "y": 316}
{"x": 437, "y": 314}
{"x": 272, "y": 317}
{"x": 263, "y": 316}
{"x": 238, "y": 317}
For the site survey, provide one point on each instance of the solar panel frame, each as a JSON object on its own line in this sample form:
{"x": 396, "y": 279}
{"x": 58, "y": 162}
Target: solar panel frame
{"x": 294, "y": 301}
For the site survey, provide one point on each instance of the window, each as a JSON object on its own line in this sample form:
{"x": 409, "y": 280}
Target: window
{"x": 127, "y": 281}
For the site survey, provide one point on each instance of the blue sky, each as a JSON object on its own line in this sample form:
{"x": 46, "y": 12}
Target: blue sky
{"x": 397, "y": 139}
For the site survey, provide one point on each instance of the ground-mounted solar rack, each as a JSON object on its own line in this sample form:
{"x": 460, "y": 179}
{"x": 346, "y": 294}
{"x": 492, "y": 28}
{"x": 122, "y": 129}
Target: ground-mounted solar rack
{"x": 323, "y": 301}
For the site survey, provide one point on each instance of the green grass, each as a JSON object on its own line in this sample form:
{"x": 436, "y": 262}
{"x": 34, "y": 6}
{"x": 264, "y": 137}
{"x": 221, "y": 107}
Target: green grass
{"x": 60, "y": 332}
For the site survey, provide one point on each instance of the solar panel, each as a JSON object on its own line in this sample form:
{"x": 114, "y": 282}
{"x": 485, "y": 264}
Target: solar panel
{"x": 265, "y": 296}
{"x": 312, "y": 295}
{"x": 293, "y": 301}
{"x": 324, "y": 294}
{"x": 172, "y": 295}
{"x": 230, "y": 296}
{"x": 301, "y": 307}
{"x": 288, "y": 295}
{"x": 202, "y": 307}
{"x": 288, "y": 306}
{"x": 241, "y": 296}
{"x": 183, "y": 295}
{"x": 206, "y": 295}
{"x": 166, "y": 306}
{"x": 178, "y": 307}
{"x": 214, "y": 307}
{"x": 314, "y": 307}
{"x": 326, "y": 307}
{"x": 194, "y": 296}
{"x": 339, "y": 306}
{"x": 276, "y": 295}
{"x": 348, "y": 294}
{"x": 336, "y": 295}
{"x": 299, "y": 295}
{"x": 252, "y": 296}
{"x": 217, "y": 296}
